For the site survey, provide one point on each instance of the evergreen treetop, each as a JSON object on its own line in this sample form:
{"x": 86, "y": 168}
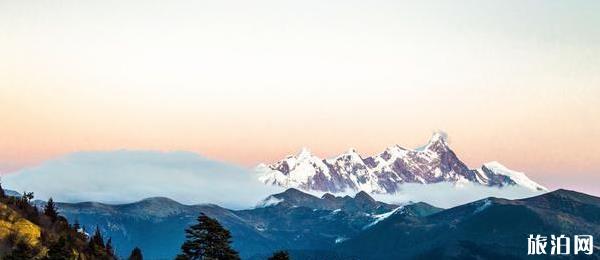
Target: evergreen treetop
{"x": 136, "y": 254}
{"x": 50, "y": 210}
{"x": 207, "y": 240}
{"x": 280, "y": 255}
{"x": 2, "y": 193}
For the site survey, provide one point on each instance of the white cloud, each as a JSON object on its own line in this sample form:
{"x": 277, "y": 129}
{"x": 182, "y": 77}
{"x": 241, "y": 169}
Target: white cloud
{"x": 127, "y": 176}
{"x": 447, "y": 195}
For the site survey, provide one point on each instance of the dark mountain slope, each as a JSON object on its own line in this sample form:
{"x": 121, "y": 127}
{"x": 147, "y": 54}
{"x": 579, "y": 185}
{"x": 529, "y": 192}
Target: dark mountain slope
{"x": 489, "y": 228}
{"x": 157, "y": 225}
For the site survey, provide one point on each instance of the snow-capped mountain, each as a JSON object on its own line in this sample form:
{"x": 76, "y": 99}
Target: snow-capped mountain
{"x": 433, "y": 163}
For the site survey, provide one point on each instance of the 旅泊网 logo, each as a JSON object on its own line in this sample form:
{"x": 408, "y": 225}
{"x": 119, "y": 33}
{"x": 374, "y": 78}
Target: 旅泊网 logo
{"x": 560, "y": 245}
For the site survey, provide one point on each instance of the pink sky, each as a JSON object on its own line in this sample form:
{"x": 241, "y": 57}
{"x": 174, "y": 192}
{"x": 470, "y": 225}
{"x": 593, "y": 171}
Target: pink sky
{"x": 253, "y": 83}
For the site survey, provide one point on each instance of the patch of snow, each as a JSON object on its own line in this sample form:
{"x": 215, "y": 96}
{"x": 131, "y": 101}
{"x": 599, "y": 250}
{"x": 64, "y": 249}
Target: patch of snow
{"x": 82, "y": 231}
{"x": 340, "y": 239}
{"x": 481, "y": 176}
{"x": 269, "y": 201}
{"x": 380, "y": 217}
{"x": 269, "y": 176}
{"x": 435, "y": 138}
{"x": 518, "y": 177}
{"x": 486, "y": 204}
{"x": 437, "y": 172}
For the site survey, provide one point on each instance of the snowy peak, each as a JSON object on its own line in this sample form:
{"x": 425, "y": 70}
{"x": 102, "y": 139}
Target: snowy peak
{"x": 383, "y": 173}
{"x": 518, "y": 177}
{"x": 437, "y": 143}
{"x": 293, "y": 171}
{"x": 439, "y": 137}
{"x": 393, "y": 152}
{"x": 395, "y": 149}
{"x": 351, "y": 155}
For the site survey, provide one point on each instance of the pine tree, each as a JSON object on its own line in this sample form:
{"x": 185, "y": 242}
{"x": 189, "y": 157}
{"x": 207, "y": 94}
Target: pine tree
{"x": 27, "y": 196}
{"x": 109, "y": 248}
{"x": 97, "y": 238}
{"x": 50, "y": 210}
{"x": 2, "y": 193}
{"x": 207, "y": 240}
{"x": 23, "y": 201}
{"x": 96, "y": 244}
{"x": 280, "y": 255}
{"x": 59, "y": 250}
{"x": 136, "y": 254}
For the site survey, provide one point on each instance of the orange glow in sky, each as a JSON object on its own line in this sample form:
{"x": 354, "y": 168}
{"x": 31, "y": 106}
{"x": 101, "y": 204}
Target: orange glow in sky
{"x": 252, "y": 82}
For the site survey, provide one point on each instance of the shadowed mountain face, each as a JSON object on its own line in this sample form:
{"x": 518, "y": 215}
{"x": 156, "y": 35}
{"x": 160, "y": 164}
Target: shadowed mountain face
{"x": 290, "y": 220}
{"x": 487, "y": 229}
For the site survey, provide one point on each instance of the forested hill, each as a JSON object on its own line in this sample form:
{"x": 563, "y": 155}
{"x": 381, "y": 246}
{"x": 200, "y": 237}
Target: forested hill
{"x": 29, "y": 233}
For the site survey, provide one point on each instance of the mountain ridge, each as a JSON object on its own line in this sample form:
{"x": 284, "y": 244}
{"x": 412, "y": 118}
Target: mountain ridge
{"x": 299, "y": 221}
{"x": 351, "y": 227}
{"x": 434, "y": 162}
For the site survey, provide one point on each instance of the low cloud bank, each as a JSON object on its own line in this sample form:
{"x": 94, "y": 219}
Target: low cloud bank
{"x": 447, "y": 195}
{"x": 127, "y": 176}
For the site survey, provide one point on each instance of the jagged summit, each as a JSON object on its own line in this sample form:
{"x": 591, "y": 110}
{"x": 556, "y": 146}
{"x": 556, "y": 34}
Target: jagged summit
{"x": 439, "y": 140}
{"x": 433, "y": 162}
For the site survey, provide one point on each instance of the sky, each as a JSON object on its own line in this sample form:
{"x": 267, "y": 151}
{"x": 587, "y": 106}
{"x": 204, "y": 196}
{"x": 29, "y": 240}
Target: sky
{"x": 252, "y": 81}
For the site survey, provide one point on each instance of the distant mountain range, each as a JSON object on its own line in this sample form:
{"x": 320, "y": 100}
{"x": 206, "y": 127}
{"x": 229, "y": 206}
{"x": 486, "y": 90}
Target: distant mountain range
{"x": 383, "y": 173}
{"x": 347, "y": 227}
{"x": 288, "y": 220}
